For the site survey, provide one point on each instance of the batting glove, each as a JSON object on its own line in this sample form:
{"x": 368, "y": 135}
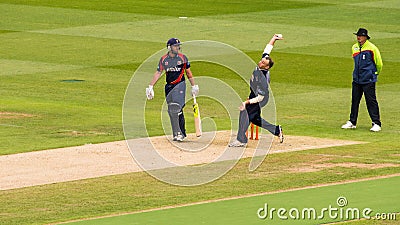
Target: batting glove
{"x": 195, "y": 90}
{"x": 278, "y": 36}
{"x": 150, "y": 92}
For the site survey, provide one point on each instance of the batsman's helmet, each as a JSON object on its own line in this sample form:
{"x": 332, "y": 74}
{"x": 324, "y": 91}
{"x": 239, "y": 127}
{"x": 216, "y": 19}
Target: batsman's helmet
{"x": 173, "y": 41}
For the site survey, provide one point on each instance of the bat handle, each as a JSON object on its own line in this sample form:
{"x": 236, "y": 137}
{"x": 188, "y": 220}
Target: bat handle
{"x": 194, "y": 99}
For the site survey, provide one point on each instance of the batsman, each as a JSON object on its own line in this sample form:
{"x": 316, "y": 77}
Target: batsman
{"x": 175, "y": 64}
{"x": 250, "y": 110}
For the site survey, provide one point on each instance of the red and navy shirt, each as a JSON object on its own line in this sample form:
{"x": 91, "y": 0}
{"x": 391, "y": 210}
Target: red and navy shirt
{"x": 174, "y": 67}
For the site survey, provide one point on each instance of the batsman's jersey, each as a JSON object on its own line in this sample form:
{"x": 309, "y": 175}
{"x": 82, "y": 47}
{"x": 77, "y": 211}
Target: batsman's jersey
{"x": 259, "y": 84}
{"x": 174, "y": 67}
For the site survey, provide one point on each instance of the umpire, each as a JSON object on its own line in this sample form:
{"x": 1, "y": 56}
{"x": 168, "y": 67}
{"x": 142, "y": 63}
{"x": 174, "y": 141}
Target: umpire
{"x": 367, "y": 66}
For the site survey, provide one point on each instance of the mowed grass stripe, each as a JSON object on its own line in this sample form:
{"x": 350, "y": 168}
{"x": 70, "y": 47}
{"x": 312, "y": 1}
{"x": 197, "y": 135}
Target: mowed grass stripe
{"x": 179, "y": 8}
{"x": 80, "y": 51}
{"x": 379, "y": 195}
{"x": 208, "y": 29}
{"x": 337, "y": 16}
{"x": 321, "y": 40}
{"x": 389, "y": 4}
{"x": 91, "y": 107}
{"x": 29, "y": 17}
{"x": 147, "y": 30}
{"x": 384, "y": 41}
{"x": 7, "y": 31}
{"x": 18, "y": 67}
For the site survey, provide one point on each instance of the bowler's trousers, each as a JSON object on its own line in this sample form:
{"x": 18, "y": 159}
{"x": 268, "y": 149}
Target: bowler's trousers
{"x": 253, "y": 114}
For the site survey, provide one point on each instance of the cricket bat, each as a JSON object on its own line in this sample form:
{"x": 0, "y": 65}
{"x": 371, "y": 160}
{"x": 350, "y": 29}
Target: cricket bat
{"x": 197, "y": 120}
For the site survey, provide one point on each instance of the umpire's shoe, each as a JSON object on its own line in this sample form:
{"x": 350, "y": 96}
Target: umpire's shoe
{"x": 375, "y": 127}
{"x": 348, "y": 125}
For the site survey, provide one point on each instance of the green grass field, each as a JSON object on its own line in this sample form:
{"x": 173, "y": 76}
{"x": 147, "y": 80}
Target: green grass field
{"x": 377, "y": 194}
{"x": 65, "y": 66}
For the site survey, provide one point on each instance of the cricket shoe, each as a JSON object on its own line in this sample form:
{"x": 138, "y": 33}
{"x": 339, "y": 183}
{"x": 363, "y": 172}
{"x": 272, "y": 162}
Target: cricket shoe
{"x": 179, "y": 137}
{"x": 280, "y": 135}
{"x": 349, "y": 125}
{"x": 237, "y": 143}
{"x": 375, "y": 127}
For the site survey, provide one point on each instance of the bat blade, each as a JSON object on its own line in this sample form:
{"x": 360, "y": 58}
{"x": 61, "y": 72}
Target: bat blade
{"x": 197, "y": 120}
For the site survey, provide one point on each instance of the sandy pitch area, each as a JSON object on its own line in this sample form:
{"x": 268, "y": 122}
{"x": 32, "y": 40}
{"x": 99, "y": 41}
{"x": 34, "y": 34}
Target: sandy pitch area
{"x": 96, "y": 160}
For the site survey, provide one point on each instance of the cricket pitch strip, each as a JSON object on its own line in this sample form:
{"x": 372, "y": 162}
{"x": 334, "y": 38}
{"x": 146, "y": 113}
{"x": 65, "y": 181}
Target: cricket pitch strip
{"x": 97, "y": 160}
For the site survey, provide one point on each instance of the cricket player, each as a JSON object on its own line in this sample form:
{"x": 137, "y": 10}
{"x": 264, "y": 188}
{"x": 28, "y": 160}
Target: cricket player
{"x": 175, "y": 64}
{"x": 250, "y": 110}
{"x": 367, "y": 66}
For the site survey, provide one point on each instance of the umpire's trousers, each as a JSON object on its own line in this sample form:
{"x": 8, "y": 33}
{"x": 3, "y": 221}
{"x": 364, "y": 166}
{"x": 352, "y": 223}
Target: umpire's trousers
{"x": 369, "y": 92}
